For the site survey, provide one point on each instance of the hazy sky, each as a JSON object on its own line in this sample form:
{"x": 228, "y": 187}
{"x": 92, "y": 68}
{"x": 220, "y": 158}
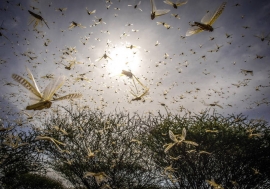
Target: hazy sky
{"x": 201, "y": 67}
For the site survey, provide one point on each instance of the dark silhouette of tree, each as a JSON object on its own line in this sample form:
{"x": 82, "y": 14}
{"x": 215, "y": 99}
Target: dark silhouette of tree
{"x": 36, "y": 181}
{"x": 17, "y": 153}
{"x": 95, "y": 150}
{"x": 232, "y": 151}
{"x": 92, "y": 149}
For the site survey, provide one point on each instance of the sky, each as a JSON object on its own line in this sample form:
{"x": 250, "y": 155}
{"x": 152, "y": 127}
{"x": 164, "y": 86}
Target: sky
{"x": 180, "y": 71}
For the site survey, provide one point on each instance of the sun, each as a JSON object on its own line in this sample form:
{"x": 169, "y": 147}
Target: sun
{"x": 123, "y": 59}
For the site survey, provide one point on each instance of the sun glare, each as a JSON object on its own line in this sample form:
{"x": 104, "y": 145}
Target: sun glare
{"x": 123, "y": 59}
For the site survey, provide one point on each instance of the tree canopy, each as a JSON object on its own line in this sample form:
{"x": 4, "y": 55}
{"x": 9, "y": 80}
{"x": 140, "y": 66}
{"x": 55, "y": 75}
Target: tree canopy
{"x": 92, "y": 149}
{"x": 18, "y": 153}
{"x": 232, "y": 151}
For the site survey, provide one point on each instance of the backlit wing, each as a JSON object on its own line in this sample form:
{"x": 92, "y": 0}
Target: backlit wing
{"x": 154, "y": 8}
{"x": 181, "y": 3}
{"x": 207, "y": 18}
{"x": 33, "y": 99}
{"x": 30, "y": 75}
{"x": 27, "y": 85}
{"x": 217, "y": 13}
{"x": 53, "y": 86}
{"x": 172, "y": 136}
{"x": 161, "y": 12}
{"x": 168, "y": 2}
{"x": 193, "y": 30}
{"x": 139, "y": 81}
{"x": 69, "y": 96}
{"x": 184, "y": 133}
{"x": 210, "y": 18}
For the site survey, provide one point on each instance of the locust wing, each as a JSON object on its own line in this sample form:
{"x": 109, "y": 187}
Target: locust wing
{"x": 168, "y": 2}
{"x": 161, "y": 12}
{"x": 69, "y": 96}
{"x": 181, "y": 3}
{"x": 193, "y": 30}
{"x": 172, "y": 136}
{"x": 53, "y": 86}
{"x": 177, "y": 4}
{"x": 210, "y": 18}
{"x": 217, "y": 13}
{"x": 27, "y": 85}
{"x": 153, "y": 5}
{"x": 30, "y": 75}
{"x": 184, "y": 133}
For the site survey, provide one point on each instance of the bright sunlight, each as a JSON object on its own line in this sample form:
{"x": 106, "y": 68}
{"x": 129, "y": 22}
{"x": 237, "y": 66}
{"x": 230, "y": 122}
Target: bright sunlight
{"x": 123, "y": 58}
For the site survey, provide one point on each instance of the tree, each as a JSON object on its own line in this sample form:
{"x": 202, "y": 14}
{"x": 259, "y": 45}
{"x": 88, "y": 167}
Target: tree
{"x": 232, "y": 152}
{"x": 95, "y": 150}
{"x": 17, "y": 153}
{"x": 30, "y": 180}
